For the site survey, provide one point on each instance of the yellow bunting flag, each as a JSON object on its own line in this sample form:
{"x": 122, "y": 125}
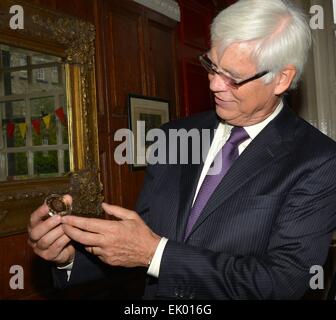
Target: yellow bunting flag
{"x": 46, "y": 120}
{"x": 23, "y": 129}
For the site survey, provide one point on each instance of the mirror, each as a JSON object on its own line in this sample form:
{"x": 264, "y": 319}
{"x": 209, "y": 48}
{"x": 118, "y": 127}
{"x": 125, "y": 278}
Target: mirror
{"x": 48, "y": 116}
{"x": 33, "y": 115}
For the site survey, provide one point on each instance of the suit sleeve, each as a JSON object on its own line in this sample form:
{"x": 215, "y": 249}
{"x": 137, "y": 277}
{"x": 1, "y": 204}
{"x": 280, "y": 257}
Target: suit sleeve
{"x": 86, "y": 268}
{"x": 300, "y": 238}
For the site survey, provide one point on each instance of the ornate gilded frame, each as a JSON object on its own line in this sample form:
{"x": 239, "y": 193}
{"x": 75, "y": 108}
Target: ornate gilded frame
{"x": 73, "y": 40}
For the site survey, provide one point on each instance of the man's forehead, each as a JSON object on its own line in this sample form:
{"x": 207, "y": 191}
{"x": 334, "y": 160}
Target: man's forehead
{"x": 237, "y": 48}
{"x": 236, "y": 57}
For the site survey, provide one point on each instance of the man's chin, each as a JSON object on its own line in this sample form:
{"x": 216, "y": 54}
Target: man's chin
{"x": 224, "y": 112}
{"x": 229, "y": 116}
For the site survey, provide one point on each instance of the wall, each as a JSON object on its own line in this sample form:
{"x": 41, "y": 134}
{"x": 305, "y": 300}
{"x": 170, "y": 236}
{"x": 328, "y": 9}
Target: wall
{"x": 139, "y": 58}
{"x": 135, "y": 53}
{"x": 317, "y": 92}
{"x": 14, "y": 249}
{"x": 194, "y": 40}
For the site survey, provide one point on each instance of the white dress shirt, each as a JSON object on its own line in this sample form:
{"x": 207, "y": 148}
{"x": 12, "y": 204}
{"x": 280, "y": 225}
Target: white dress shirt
{"x": 221, "y": 135}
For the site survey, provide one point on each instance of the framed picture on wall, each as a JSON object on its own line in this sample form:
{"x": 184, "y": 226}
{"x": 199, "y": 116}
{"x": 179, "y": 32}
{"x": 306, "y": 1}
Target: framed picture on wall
{"x": 144, "y": 114}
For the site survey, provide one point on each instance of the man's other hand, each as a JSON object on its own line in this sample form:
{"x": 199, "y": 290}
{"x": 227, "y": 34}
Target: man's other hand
{"x": 126, "y": 242}
{"x": 47, "y": 237}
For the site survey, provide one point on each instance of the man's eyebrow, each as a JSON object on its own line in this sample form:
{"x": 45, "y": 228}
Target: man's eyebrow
{"x": 232, "y": 74}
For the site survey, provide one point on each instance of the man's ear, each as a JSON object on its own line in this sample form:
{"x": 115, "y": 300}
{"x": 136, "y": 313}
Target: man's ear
{"x": 284, "y": 79}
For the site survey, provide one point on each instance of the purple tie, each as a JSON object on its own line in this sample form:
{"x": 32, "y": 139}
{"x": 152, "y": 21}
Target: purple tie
{"x": 227, "y": 155}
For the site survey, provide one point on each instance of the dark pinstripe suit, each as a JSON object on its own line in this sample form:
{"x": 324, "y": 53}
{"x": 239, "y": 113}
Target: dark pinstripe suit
{"x": 267, "y": 223}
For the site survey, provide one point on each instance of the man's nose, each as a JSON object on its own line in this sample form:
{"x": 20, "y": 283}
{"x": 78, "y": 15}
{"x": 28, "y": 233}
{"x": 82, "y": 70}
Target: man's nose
{"x": 217, "y": 83}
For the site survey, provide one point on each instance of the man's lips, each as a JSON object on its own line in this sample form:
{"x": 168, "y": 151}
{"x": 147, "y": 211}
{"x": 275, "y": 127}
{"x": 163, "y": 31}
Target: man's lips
{"x": 222, "y": 101}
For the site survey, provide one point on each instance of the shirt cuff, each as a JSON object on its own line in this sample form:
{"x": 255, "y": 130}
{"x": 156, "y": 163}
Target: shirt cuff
{"x": 154, "y": 267}
{"x": 67, "y": 268}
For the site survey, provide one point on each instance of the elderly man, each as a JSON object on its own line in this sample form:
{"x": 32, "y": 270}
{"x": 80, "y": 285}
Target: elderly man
{"x": 251, "y": 231}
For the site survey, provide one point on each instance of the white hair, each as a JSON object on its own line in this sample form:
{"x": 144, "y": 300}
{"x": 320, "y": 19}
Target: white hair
{"x": 279, "y": 29}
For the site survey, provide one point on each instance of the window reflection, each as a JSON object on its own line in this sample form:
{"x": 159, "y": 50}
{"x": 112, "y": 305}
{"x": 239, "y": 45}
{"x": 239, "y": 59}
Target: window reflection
{"x": 33, "y": 115}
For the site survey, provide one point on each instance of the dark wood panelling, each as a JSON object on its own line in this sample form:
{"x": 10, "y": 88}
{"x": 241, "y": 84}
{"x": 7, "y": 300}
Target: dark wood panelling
{"x": 139, "y": 58}
{"x": 196, "y": 25}
{"x": 162, "y": 64}
{"x": 217, "y": 4}
{"x": 123, "y": 179}
{"x": 194, "y": 39}
{"x": 196, "y": 78}
{"x": 37, "y": 276}
{"x": 124, "y": 57}
{"x": 105, "y": 160}
{"x": 78, "y": 8}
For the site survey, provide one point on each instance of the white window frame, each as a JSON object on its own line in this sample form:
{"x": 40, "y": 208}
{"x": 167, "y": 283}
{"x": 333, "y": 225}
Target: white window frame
{"x": 29, "y": 149}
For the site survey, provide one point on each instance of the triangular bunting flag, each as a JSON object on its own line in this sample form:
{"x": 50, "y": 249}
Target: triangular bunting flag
{"x": 46, "y": 120}
{"x": 60, "y": 114}
{"x": 37, "y": 126}
{"x": 10, "y": 129}
{"x": 23, "y": 129}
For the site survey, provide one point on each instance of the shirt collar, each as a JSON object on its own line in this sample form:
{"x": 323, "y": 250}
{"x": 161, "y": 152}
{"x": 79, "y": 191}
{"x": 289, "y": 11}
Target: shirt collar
{"x": 224, "y": 129}
{"x": 255, "y": 129}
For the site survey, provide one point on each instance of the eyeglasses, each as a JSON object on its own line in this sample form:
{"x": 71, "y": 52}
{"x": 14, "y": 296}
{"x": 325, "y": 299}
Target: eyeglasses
{"x": 211, "y": 68}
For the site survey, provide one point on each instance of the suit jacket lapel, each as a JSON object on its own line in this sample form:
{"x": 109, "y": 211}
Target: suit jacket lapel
{"x": 268, "y": 146}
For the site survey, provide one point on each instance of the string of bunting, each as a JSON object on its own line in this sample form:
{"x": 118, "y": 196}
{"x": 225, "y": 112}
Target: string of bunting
{"x": 36, "y": 123}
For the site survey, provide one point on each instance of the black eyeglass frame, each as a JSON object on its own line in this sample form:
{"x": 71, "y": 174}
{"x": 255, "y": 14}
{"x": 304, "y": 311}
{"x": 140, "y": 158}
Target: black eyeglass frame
{"x": 212, "y": 68}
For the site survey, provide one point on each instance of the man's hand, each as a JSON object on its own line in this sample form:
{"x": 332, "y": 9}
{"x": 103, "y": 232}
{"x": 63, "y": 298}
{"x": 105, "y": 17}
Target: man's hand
{"x": 127, "y": 242}
{"x": 47, "y": 238}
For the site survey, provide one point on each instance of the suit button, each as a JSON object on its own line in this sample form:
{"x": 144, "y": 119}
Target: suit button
{"x": 181, "y": 294}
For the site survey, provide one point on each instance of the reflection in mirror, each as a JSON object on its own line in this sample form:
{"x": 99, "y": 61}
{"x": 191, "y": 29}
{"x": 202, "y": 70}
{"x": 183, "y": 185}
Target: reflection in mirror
{"x": 48, "y": 115}
{"x": 33, "y": 115}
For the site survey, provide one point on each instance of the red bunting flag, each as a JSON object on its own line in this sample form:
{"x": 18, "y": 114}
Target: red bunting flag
{"x": 10, "y": 129}
{"x": 60, "y": 114}
{"x": 37, "y": 126}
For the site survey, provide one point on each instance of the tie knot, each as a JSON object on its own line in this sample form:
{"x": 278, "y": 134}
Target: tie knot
{"x": 238, "y": 135}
